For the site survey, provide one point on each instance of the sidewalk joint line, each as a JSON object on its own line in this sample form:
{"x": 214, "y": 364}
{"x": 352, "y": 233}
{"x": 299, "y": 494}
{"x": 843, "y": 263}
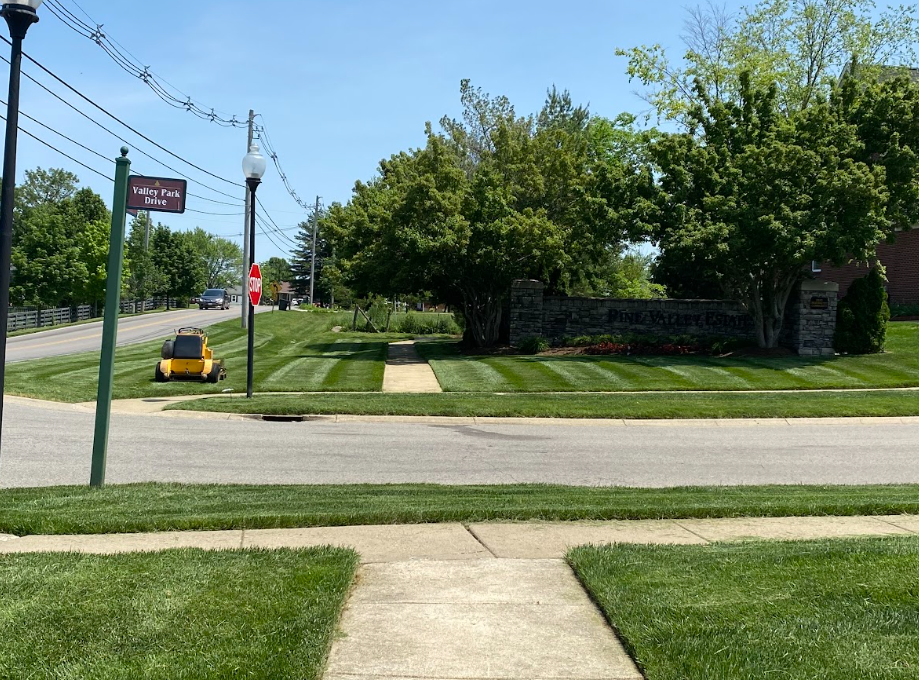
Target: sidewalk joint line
{"x": 894, "y": 524}
{"x": 242, "y": 539}
{"x": 708, "y": 541}
{"x": 472, "y": 533}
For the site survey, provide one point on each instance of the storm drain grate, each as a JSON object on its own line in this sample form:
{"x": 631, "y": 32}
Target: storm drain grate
{"x": 284, "y": 419}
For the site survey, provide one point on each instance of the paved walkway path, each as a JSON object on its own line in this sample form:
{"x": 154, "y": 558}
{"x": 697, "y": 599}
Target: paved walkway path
{"x": 407, "y": 372}
{"x": 485, "y": 600}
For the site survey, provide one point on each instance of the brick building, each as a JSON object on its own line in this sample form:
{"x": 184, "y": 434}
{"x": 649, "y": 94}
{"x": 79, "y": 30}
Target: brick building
{"x": 901, "y": 259}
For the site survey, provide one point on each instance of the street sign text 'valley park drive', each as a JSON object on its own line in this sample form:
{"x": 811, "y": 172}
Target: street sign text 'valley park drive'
{"x": 255, "y": 285}
{"x": 158, "y": 194}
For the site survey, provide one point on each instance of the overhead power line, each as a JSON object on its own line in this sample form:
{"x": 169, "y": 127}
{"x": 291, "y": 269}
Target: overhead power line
{"x": 121, "y": 122}
{"x": 66, "y": 155}
{"x": 161, "y": 87}
{"x": 126, "y": 141}
{"x": 170, "y": 94}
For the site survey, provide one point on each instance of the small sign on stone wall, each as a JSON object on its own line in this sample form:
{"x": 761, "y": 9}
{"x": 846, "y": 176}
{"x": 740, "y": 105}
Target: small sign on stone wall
{"x": 819, "y": 303}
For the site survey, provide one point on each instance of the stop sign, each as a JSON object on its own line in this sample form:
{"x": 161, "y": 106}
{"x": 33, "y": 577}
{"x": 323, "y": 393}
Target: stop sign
{"x": 255, "y": 285}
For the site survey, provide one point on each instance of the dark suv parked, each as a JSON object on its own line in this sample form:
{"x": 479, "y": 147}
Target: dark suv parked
{"x": 214, "y": 298}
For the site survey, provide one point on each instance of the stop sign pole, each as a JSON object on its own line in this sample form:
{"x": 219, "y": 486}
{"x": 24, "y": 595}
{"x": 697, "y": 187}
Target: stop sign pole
{"x": 254, "y": 165}
{"x": 255, "y": 295}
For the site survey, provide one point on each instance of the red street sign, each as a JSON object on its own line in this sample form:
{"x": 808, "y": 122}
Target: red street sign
{"x": 156, "y": 194}
{"x": 255, "y": 285}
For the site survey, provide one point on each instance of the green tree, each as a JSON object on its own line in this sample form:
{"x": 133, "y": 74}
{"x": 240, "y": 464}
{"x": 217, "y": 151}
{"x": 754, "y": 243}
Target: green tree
{"x": 93, "y": 242}
{"x": 329, "y": 281}
{"x": 60, "y": 242}
{"x": 144, "y": 280}
{"x": 759, "y": 194}
{"x": 491, "y": 198}
{"x": 222, "y": 258}
{"x": 800, "y": 46}
{"x": 174, "y": 256}
{"x": 42, "y": 187}
{"x": 48, "y": 261}
{"x": 275, "y": 270}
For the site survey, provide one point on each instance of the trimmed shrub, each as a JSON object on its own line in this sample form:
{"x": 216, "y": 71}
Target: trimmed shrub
{"x": 534, "y": 345}
{"x": 862, "y": 316}
{"x": 425, "y": 323}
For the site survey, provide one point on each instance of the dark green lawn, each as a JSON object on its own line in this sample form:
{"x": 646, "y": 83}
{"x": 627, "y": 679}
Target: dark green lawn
{"x": 294, "y": 352}
{"x": 179, "y": 614}
{"x": 163, "y": 507}
{"x": 818, "y": 610}
{"x": 897, "y": 367}
{"x": 637, "y": 406}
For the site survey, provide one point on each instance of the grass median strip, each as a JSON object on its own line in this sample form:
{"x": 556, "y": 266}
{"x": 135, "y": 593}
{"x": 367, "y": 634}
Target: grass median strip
{"x": 898, "y": 366}
{"x": 176, "y": 614}
{"x": 630, "y": 406}
{"x": 832, "y": 609}
{"x": 175, "y": 507}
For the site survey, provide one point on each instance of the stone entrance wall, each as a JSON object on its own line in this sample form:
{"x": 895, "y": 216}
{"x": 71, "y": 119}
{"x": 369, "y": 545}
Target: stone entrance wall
{"x": 810, "y": 321}
{"x": 810, "y": 318}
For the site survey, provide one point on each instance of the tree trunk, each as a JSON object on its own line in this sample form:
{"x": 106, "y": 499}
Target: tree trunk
{"x": 767, "y": 307}
{"x": 483, "y": 319}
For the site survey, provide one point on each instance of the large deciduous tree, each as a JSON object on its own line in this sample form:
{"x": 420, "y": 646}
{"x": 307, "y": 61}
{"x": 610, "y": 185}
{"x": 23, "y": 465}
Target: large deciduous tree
{"x": 181, "y": 266}
{"x": 221, "y": 257}
{"x": 757, "y": 195}
{"x": 275, "y": 270}
{"x": 491, "y": 198}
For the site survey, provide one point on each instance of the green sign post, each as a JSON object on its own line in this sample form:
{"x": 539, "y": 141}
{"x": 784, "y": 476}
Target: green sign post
{"x": 110, "y": 322}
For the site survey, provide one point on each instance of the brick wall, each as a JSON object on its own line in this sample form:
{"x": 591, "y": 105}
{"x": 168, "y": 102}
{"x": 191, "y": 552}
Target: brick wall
{"x": 901, "y": 259}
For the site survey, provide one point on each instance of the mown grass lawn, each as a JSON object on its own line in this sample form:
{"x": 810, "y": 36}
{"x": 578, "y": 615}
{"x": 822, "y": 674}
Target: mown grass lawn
{"x": 897, "y": 367}
{"x": 827, "y": 610}
{"x": 294, "y": 352}
{"x": 189, "y": 614}
{"x": 631, "y": 406}
{"x": 177, "y": 507}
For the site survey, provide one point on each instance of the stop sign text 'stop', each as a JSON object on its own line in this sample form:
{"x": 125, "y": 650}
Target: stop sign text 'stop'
{"x": 255, "y": 284}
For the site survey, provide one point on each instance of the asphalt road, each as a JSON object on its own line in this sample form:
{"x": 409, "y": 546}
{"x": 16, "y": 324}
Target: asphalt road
{"x": 88, "y": 337}
{"x": 52, "y": 445}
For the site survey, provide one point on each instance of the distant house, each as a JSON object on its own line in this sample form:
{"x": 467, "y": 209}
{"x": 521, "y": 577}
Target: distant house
{"x": 900, "y": 258}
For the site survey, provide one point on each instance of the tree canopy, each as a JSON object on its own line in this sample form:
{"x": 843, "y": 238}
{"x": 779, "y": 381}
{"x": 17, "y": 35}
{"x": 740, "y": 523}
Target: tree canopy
{"x": 754, "y": 196}
{"x": 488, "y": 199}
{"x": 799, "y": 46}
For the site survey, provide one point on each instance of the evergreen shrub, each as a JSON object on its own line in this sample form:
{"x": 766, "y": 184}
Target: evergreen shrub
{"x": 862, "y": 316}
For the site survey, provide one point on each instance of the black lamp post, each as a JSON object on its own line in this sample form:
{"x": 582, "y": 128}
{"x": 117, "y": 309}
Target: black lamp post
{"x": 254, "y": 166}
{"x": 19, "y": 15}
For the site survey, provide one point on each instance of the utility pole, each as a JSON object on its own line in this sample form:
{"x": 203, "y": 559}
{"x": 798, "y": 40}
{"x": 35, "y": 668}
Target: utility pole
{"x": 313, "y": 254}
{"x": 244, "y": 285}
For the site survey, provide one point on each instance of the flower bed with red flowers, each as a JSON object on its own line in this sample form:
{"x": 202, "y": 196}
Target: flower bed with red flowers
{"x": 633, "y": 348}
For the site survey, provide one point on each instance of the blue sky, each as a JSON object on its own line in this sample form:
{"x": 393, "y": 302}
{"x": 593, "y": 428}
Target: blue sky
{"x": 339, "y": 84}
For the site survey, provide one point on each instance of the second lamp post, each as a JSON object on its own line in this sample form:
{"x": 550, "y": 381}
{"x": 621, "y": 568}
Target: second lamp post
{"x": 254, "y": 166}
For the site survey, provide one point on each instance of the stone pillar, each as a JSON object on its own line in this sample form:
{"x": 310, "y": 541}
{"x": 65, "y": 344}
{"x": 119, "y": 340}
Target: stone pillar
{"x": 526, "y": 310}
{"x": 811, "y": 318}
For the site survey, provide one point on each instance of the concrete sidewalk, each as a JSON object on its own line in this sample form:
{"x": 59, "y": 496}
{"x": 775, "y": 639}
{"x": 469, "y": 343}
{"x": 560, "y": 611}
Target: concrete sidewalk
{"x": 406, "y": 372}
{"x": 479, "y": 540}
{"x": 489, "y": 600}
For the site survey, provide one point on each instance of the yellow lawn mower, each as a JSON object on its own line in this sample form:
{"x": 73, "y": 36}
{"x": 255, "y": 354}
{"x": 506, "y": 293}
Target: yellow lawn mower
{"x": 189, "y": 358}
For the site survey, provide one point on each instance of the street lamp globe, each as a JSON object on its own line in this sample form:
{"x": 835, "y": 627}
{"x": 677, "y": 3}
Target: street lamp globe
{"x": 254, "y": 163}
{"x": 31, "y": 4}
